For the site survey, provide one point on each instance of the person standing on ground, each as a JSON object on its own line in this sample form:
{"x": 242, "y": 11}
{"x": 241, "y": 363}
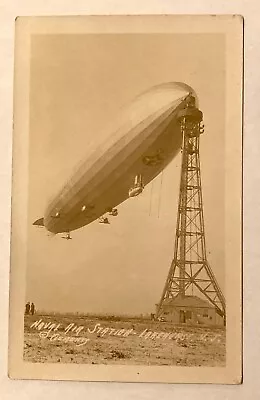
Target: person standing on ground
{"x": 32, "y": 309}
{"x": 27, "y": 308}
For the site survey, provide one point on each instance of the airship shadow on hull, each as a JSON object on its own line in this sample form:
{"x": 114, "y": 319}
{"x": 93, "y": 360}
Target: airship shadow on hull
{"x": 147, "y": 139}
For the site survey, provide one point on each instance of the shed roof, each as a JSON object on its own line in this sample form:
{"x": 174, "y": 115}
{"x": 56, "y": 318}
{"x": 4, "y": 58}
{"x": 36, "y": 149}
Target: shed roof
{"x": 188, "y": 301}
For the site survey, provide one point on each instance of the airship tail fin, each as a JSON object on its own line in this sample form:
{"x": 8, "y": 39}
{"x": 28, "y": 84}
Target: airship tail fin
{"x": 39, "y": 222}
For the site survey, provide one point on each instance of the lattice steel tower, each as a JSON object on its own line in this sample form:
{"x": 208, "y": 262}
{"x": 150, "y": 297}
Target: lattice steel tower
{"x": 190, "y": 273}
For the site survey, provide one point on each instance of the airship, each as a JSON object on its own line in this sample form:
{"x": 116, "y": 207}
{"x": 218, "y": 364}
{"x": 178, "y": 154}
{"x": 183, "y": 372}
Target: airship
{"x": 146, "y": 139}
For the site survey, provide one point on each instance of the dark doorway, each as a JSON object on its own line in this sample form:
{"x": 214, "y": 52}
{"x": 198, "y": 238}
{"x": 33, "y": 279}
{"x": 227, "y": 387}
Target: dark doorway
{"x": 182, "y": 317}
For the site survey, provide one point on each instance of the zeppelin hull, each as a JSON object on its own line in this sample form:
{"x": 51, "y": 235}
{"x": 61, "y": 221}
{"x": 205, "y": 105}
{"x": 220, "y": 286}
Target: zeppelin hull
{"x": 149, "y": 131}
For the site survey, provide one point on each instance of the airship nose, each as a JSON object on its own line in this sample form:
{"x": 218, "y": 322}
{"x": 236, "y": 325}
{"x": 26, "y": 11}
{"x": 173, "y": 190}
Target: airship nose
{"x": 156, "y": 100}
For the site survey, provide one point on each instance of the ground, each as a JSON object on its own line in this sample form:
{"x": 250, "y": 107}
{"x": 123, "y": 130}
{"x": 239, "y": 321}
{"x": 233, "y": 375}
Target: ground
{"x": 89, "y": 340}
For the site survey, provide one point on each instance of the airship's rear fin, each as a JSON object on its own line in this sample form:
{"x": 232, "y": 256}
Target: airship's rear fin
{"x": 39, "y": 222}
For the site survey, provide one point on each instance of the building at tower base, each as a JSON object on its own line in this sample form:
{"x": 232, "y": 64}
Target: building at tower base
{"x": 190, "y": 310}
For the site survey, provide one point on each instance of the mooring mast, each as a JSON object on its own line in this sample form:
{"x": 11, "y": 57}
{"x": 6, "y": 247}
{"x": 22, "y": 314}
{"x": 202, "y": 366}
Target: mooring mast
{"x": 190, "y": 271}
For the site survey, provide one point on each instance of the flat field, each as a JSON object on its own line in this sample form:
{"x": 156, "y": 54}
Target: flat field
{"x": 89, "y": 340}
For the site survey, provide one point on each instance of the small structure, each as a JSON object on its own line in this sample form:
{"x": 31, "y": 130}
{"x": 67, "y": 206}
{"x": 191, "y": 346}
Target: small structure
{"x": 190, "y": 310}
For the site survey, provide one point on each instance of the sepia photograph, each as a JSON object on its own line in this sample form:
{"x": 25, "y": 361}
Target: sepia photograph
{"x": 126, "y": 204}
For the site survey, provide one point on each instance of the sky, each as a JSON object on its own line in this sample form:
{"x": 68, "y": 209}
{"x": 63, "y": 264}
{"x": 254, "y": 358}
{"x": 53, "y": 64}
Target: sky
{"x": 78, "y": 84}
